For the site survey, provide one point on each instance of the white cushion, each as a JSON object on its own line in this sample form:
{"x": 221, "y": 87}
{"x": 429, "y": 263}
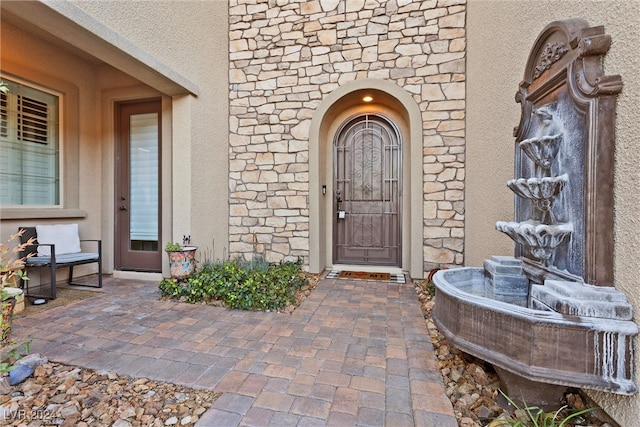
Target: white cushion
{"x": 64, "y": 236}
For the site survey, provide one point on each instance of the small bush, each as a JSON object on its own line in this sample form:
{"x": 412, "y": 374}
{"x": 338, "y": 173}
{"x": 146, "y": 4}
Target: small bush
{"x": 248, "y": 285}
{"x": 170, "y": 288}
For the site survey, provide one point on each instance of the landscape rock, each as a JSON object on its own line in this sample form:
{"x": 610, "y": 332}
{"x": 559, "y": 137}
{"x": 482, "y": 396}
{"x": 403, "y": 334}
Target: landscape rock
{"x": 70, "y": 396}
{"x": 33, "y": 360}
{"x": 19, "y": 373}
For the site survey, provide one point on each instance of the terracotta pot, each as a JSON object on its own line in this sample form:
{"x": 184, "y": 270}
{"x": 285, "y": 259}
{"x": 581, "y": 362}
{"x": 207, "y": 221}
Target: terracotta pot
{"x": 183, "y": 262}
{"x": 18, "y": 294}
{"x": 8, "y": 304}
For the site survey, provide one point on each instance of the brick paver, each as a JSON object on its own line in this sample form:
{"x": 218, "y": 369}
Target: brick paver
{"x": 354, "y": 353}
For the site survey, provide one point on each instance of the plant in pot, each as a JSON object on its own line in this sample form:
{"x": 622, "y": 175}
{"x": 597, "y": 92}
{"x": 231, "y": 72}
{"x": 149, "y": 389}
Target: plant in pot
{"x": 11, "y": 269}
{"x": 182, "y": 258}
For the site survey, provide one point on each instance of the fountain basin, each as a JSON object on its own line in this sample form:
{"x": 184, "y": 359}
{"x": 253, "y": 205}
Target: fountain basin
{"x": 539, "y": 189}
{"x": 542, "y": 150}
{"x": 542, "y": 239}
{"x": 537, "y": 344}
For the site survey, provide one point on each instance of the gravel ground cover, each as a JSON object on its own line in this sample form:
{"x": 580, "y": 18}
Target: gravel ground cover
{"x": 69, "y": 396}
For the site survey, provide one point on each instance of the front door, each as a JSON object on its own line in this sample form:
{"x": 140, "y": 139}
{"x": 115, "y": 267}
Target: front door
{"x": 367, "y": 192}
{"x": 138, "y": 238}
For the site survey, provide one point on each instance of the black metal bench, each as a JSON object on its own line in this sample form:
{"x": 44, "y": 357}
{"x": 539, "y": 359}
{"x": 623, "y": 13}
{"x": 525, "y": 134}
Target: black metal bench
{"x": 54, "y": 262}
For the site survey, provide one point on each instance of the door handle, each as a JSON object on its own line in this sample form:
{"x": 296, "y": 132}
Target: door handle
{"x": 122, "y": 208}
{"x": 341, "y": 213}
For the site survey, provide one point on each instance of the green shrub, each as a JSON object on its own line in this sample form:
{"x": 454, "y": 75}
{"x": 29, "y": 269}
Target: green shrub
{"x": 248, "y": 285}
{"x": 170, "y": 288}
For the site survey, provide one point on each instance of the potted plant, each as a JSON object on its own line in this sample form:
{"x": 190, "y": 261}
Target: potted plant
{"x": 11, "y": 268}
{"x": 182, "y": 258}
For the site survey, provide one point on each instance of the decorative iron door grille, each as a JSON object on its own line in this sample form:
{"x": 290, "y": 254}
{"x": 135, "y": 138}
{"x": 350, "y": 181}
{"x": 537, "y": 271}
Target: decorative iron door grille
{"x": 367, "y": 192}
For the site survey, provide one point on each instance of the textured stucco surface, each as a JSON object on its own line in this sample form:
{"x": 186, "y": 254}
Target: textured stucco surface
{"x": 80, "y": 141}
{"x": 187, "y": 39}
{"x": 190, "y": 38}
{"x": 500, "y": 35}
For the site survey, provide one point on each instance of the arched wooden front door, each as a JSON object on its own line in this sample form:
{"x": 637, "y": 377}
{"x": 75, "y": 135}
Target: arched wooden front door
{"x": 367, "y": 158}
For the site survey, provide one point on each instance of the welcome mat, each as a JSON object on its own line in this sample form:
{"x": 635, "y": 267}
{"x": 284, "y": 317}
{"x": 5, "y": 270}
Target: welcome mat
{"x": 363, "y": 275}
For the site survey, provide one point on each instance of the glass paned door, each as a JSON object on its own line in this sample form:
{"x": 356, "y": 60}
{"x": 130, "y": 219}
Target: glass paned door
{"x": 138, "y": 193}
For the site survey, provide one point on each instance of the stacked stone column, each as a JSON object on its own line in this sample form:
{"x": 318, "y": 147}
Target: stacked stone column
{"x": 286, "y": 56}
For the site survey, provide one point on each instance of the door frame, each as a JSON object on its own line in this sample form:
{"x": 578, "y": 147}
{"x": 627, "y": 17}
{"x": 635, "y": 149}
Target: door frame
{"x": 151, "y": 264}
{"x": 399, "y": 105}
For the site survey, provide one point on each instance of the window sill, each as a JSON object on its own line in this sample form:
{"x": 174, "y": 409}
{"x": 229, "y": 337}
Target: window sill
{"x": 41, "y": 213}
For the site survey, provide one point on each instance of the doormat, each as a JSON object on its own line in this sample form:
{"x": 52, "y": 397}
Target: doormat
{"x": 64, "y": 295}
{"x": 363, "y": 275}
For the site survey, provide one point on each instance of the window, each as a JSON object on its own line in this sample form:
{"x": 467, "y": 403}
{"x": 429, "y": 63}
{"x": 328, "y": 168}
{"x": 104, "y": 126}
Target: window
{"x": 29, "y": 146}
{"x": 144, "y": 185}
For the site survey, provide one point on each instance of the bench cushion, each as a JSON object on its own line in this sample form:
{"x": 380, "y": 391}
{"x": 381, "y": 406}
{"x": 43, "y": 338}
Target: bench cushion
{"x": 62, "y": 259}
{"x": 64, "y": 236}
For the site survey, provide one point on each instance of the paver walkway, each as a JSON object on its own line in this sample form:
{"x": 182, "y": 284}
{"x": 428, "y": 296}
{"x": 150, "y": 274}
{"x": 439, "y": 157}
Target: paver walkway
{"x": 354, "y": 353}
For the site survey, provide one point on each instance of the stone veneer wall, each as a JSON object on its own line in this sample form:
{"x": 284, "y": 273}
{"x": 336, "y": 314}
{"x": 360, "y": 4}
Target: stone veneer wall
{"x": 285, "y": 56}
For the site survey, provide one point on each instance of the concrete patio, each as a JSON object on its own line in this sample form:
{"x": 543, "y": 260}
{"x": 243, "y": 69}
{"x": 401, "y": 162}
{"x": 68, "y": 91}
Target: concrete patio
{"x": 354, "y": 353}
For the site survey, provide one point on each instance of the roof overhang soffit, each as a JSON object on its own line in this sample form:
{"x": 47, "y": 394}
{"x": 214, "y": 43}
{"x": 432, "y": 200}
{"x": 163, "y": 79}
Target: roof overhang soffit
{"x": 77, "y": 28}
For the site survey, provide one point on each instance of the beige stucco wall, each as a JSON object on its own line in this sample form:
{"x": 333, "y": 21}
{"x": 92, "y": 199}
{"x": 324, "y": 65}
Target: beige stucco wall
{"x": 74, "y": 79}
{"x": 190, "y": 38}
{"x": 194, "y": 126}
{"x": 87, "y": 149}
{"x": 500, "y": 35}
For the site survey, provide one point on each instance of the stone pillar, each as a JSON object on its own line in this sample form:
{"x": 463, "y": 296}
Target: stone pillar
{"x": 285, "y": 57}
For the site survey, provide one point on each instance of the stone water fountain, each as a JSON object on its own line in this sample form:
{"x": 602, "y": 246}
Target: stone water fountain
{"x": 549, "y": 317}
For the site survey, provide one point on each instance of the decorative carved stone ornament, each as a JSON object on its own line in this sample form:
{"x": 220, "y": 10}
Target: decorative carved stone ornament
{"x": 551, "y": 53}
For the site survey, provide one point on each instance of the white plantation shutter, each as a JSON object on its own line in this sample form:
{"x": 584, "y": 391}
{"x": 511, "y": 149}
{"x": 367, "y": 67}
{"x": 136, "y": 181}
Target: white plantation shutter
{"x": 144, "y": 177}
{"x": 29, "y": 147}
